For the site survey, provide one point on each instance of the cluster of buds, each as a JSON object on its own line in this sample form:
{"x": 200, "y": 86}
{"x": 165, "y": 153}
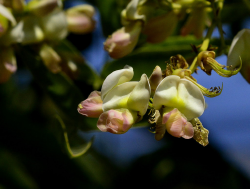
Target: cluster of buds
{"x": 157, "y": 20}
{"x": 42, "y": 23}
{"x": 173, "y": 98}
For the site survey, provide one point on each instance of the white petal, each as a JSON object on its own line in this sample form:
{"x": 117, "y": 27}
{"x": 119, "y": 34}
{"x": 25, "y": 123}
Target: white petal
{"x": 116, "y": 78}
{"x": 26, "y": 31}
{"x": 239, "y": 48}
{"x": 166, "y": 90}
{"x": 131, "y": 11}
{"x": 139, "y": 97}
{"x": 117, "y": 97}
{"x": 7, "y": 14}
{"x": 55, "y": 25}
{"x": 181, "y": 94}
{"x": 193, "y": 99}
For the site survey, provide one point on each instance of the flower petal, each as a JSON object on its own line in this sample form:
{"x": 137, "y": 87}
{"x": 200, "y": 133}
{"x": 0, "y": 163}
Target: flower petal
{"x": 7, "y": 14}
{"x": 139, "y": 97}
{"x": 177, "y": 125}
{"x": 92, "y": 106}
{"x": 181, "y": 94}
{"x": 239, "y": 52}
{"x": 116, "y": 121}
{"x": 55, "y": 25}
{"x": 116, "y": 78}
{"x": 118, "y": 97}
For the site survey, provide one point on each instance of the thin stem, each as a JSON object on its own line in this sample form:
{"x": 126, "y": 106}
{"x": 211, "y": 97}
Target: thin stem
{"x": 206, "y": 41}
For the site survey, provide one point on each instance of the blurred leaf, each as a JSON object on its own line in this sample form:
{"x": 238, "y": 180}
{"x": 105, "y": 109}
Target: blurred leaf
{"x": 59, "y": 87}
{"x": 13, "y": 173}
{"x": 144, "y": 59}
{"x": 73, "y": 151}
{"x": 83, "y": 72}
{"x": 228, "y": 9}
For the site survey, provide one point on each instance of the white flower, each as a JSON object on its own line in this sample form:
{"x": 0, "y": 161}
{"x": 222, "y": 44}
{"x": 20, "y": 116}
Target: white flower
{"x": 179, "y": 101}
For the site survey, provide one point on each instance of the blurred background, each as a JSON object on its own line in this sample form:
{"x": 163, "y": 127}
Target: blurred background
{"x": 33, "y": 153}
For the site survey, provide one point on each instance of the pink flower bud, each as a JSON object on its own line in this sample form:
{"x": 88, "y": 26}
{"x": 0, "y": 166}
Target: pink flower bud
{"x": 123, "y": 41}
{"x": 177, "y": 124}
{"x": 117, "y": 121}
{"x": 80, "y": 19}
{"x": 92, "y": 106}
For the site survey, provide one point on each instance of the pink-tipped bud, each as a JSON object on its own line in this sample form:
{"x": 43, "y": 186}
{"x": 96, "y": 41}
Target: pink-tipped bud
{"x": 177, "y": 124}
{"x": 42, "y": 7}
{"x": 116, "y": 121}
{"x": 159, "y": 28}
{"x": 50, "y": 58}
{"x": 7, "y": 64}
{"x": 80, "y": 19}
{"x": 155, "y": 79}
{"x": 92, "y": 106}
{"x": 123, "y": 41}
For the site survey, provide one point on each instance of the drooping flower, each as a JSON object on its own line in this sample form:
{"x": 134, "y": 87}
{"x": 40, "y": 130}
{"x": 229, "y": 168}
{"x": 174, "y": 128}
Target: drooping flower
{"x": 123, "y": 41}
{"x": 178, "y": 101}
{"x": 80, "y": 19}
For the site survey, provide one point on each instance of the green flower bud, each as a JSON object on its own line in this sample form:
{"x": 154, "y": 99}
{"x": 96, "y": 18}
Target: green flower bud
{"x": 80, "y": 19}
{"x": 42, "y": 7}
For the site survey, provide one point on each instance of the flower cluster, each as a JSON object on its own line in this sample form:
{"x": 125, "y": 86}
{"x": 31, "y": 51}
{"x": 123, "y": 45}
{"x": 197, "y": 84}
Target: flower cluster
{"x": 42, "y": 23}
{"x": 157, "y": 20}
{"x": 173, "y": 98}
{"x": 121, "y": 102}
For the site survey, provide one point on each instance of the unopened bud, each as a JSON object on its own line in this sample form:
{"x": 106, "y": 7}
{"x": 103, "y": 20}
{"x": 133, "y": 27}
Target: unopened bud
{"x": 80, "y": 19}
{"x": 155, "y": 79}
{"x": 117, "y": 121}
{"x": 92, "y": 106}
{"x": 50, "y": 58}
{"x": 123, "y": 41}
{"x": 42, "y": 7}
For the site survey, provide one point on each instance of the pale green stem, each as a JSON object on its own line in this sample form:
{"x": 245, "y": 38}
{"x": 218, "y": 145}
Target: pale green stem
{"x": 206, "y": 41}
{"x": 204, "y": 46}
